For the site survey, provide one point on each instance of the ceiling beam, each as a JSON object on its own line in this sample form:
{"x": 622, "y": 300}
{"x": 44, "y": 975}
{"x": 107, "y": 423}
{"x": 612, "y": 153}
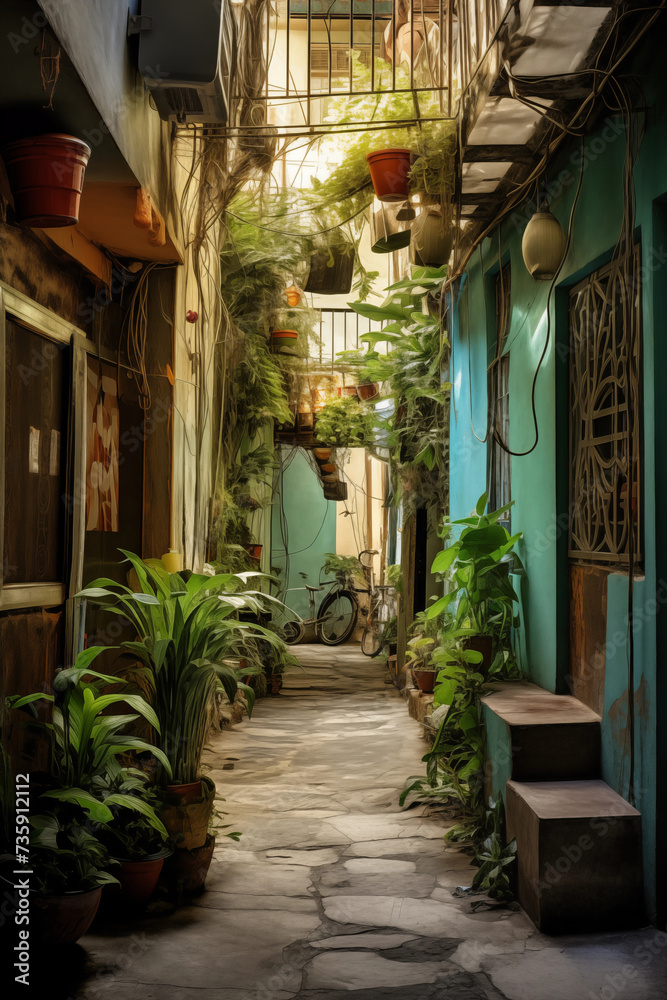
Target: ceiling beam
{"x": 497, "y": 152}
{"x": 544, "y": 88}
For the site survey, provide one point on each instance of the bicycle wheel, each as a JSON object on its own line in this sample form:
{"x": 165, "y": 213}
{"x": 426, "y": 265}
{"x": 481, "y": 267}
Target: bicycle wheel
{"x": 371, "y": 640}
{"x": 289, "y": 629}
{"x": 339, "y": 613}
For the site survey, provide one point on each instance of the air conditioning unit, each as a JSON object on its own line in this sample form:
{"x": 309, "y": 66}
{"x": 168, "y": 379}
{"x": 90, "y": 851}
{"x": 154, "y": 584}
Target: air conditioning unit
{"x": 185, "y": 57}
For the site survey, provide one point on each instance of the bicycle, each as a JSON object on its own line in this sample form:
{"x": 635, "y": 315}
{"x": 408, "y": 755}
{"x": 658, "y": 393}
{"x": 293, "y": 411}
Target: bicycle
{"x": 381, "y": 610}
{"x": 334, "y": 620}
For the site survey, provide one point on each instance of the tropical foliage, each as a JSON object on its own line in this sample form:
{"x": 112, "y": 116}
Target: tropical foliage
{"x": 83, "y": 799}
{"x": 412, "y": 369}
{"x": 188, "y": 627}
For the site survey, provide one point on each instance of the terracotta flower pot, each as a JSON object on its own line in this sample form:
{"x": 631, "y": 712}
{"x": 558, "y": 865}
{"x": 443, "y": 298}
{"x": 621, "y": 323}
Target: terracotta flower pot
{"x": 347, "y": 390}
{"x": 46, "y": 177}
{"x": 322, "y": 454}
{"x": 276, "y": 684}
{"x": 425, "y": 680}
{"x": 186, "y": 817}
{"x": 368, "y": 391}
{"x": 327, "y": 468}
{"x": 188, "y": 793}
{"x": 284, "y": 338}
{"x": 255, "y": 552}
{"x": 58, "y": 920}
{"x": 137, "y": 879}
{"x": 389, "y": 172}
{"x": 185, "y": 871}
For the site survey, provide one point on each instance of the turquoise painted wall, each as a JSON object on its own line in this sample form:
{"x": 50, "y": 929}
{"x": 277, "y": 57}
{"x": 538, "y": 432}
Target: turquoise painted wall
{"x": 310, "y": 521}
{"x": 539, "y": 479}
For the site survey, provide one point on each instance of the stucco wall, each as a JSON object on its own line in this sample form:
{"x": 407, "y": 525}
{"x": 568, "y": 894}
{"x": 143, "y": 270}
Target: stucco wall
{"x": 539, "y": 480}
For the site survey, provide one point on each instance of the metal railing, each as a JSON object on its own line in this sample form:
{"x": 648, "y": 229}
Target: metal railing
{"x": 423, "y": 47}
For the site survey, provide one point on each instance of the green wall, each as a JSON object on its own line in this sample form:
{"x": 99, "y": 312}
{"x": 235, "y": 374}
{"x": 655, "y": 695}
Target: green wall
{"x": 309, "y": 522}
{"x": 539, "y": 479}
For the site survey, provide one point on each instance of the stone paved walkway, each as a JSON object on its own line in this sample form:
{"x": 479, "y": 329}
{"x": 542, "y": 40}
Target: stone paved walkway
{"x": 333, "y": 892}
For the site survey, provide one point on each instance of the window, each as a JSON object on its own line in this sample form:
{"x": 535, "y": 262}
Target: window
{"x": 35, "y": 373}
{"x": 499, "y": 465}
{"x": 605, "y": 415}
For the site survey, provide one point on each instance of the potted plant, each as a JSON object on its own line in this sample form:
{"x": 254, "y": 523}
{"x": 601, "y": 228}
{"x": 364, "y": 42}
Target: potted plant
{"x": 477, "y": 574}
{"x": 346, "y": 423}
{"x": 417, "y": 430}
{"x": 281, "y": 339}
{"x": 138, "y": 841}
{"x": 46, "y": 177}
{"x": 188, "y": 629}
{"x": 390, "y": 169}
{"x": 69, "y": 859}
{"x": 418, "y": 658}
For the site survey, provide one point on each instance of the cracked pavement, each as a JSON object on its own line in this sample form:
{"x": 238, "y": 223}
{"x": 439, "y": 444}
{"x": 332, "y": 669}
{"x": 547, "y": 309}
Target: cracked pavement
{"x": 332, "y": 891}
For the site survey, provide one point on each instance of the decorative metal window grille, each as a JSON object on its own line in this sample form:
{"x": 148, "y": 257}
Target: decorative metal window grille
{"x": 500, "y": 469}
{"x": 605, "y": 415}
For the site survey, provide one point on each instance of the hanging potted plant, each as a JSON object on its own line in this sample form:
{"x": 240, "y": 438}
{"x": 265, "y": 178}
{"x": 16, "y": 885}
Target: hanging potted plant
{"x": 388, "y": 232}
{"x": 432, "y": 238}
{"x": 254, "y": 550}
{"x": 46, "y": 178}
{"x": 293, "y": 296}
{"x": 345, "y": 423}
{"x": 332, "y": 266}
{"x": 281, "y": 339}
{"x": 390, "y": 170}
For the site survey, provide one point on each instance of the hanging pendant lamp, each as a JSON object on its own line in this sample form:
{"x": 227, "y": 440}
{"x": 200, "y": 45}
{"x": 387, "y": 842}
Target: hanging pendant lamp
{"x": 543, "y": 246}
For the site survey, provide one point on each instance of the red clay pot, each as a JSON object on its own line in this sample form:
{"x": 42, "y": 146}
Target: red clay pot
{"x": 368, "y": 391}
{"x": 137, "y": 880}
{"x": 186, "y": 871}
{"x": 389, "y": 172}
{"x": 188, "y": 793}
{"x": 322, "y": 454}
{"x": 425, "y": 680}
{"x": 63, "y": 919}
{"x": 255, "y": 552}
{"x": 46, "y": 177}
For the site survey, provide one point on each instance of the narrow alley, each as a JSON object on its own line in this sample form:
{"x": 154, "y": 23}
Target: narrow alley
{"x": 333, "y": 892}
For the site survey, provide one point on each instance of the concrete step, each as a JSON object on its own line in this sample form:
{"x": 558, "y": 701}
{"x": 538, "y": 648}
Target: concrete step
{"x": 550, "y": 737}
{"x": 579, "y": 855}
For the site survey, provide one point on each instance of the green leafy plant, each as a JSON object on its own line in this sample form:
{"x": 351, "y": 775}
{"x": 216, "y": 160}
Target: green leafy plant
{"x": 76, "y": 802}
{"x": 344, "y": 568}
{"x": 394, "y": 574}
{"x": 187, "y": 628}
{"x": 347, "y": 188}
{"x": 137, "y": 834}
{"x": 478, "y": 577}
{"x": 345, "y": 422}
{"x": 417, "y": 432}
{"x": 495, "y": 860}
